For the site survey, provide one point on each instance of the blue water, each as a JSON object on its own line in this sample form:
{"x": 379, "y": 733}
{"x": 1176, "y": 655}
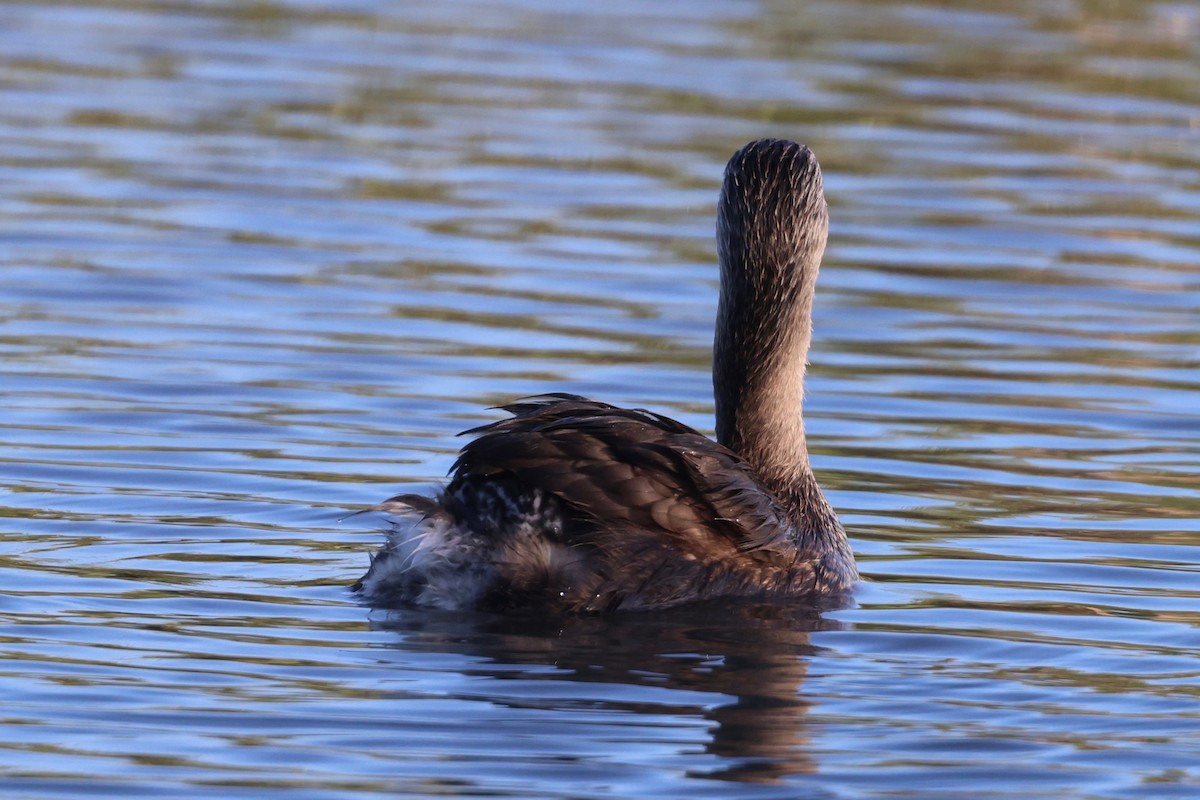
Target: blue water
{"x": 261, "y": 262}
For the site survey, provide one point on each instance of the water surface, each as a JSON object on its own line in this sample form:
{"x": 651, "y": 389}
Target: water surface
{"x": 262, "y": 261}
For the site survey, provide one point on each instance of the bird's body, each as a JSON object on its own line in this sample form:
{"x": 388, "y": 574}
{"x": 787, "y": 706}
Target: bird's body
{"x": 577, "y": 505}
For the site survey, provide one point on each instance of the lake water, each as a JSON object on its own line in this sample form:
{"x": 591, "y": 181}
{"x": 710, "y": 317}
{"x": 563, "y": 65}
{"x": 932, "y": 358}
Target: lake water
{"x": 262, "y": 261}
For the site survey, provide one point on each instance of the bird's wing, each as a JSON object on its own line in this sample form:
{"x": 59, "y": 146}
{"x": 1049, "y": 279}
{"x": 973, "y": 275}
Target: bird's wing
{"x": 629, "y": 474}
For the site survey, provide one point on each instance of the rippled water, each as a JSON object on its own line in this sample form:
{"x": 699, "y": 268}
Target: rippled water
{"x": 262, "y": 261}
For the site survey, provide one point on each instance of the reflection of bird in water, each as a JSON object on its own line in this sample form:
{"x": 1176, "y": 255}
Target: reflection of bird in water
{"x": 579, "y": 505}
{"x": 738, "y": 667}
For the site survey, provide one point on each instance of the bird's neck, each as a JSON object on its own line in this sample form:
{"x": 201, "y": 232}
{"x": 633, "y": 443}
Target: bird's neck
{"x": 758, "y": 379}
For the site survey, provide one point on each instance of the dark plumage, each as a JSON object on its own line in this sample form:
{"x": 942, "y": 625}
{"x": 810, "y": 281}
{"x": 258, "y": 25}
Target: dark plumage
{"x": 582, "y": 506}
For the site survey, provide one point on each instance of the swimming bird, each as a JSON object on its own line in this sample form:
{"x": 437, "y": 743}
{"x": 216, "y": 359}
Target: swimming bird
{"x": 575, "y": 505}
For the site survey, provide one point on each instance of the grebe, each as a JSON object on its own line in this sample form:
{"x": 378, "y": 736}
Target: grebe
{"x": 581, "y": 506}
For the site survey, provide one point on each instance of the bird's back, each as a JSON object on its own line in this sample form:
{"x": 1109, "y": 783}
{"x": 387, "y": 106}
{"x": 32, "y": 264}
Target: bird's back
{"x": 582, "y": 505}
